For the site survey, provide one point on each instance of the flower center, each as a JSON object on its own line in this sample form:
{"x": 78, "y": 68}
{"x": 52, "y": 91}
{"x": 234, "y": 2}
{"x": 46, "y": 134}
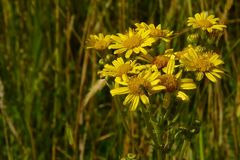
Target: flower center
{"x": 160, "y": 61}
{"x": 169, "y": 81}
{"x": 123, "y": 69}
{"x": 132, "y": 42}
{"x": 204, "y": 23}
{"x": 139, "y": 86}
{"x": 203, "y": 64}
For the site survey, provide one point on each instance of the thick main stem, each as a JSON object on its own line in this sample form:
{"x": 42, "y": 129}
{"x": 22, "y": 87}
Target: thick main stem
{"x": 155, "y": 132}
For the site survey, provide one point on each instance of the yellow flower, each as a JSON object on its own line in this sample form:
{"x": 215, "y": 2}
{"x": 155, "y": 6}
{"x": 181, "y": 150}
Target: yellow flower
{"x": 205, "y": 22}
{"x": 155, "y": 31}
{"x": 138, "y": 88}
{"x": 206, "y": 63}
{"x": 118, "y": 68}
{"x": 99, "y": 42}
{"x": 132, "y": 42}
{"x": 174, "y": 83}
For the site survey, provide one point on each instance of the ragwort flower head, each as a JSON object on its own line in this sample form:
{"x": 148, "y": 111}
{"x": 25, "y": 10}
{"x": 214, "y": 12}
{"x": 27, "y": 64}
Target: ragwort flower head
{"x": 155, "y": 31}
{"x": 205, "y": 22}
{"x": 206, "y": 63}
{"x": 174, "y": 83}
{"x": 118, "y": 68}
{"x": 132, "y": 42}
{"x": 138, "y": 88}
{"x": 99, "y": 42}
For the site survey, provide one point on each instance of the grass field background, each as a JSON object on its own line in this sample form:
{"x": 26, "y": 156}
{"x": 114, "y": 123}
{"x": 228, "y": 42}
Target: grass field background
{"x": 52, "y": 105}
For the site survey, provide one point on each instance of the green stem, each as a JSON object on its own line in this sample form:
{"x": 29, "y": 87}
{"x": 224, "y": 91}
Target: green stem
{"x": 126, "y": 126}
{"x": 156, "y": 133}
{"x": 189, "y": 7}
{"x": 201, "y": 145}
{"x": 56, "y": 104}
{"x": 183, "y": 150}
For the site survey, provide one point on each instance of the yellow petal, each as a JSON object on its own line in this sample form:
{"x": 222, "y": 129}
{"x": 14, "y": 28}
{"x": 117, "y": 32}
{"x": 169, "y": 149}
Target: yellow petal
{"x": 143, "y": 50}
{"x": 131, "y": 32}
{"x": 171, "y": 65}
{"x": 192, "y": 54}
{"x": 134, "y": 103}
{"x": 128, "y": 53}
{"x": 144, "y": 99}
{"x": 209, "y": 30}
{"x": 158, "y": 88}
{"x": 148, "y": 42}
{"x": 119, "y": 91}
{"x": 182, "y": 96}
{"x": 217, "y": 70}
{"x": 155, "y": 82}
{"x": 122, "y": 36}
{"x": 165, "y": 39}
{"x": 179, "y": 74}
{"x": 216, "y": 74}
{"x": 125, "y": 78}
{"x": 136, "y": 50}
{"x": 164, "y": 70}
{"x": 211, "y": 77}
{"x": 145, "y": 34}
{"x": 119, "y": 51}
{"x": 186, "y": 80}
{"x": 218, "y": 62}
{"x": 153, "y": 76}
{"x": 199, "y": 76}
{"x": 115, "y": 46}
{"x": 197, "y": 16}
{"x": 159, "y": 26}
{"x": 119, "y": 81}
{"x": 214, "y": 58}
{"x": 188, "y": 86}
{"x": 128, "y": 99}
{"x": 116, "y": 38}
{"x": 120, "y": 60}
{"x": 116, "y": 63}
{"x": 109, "y": 67}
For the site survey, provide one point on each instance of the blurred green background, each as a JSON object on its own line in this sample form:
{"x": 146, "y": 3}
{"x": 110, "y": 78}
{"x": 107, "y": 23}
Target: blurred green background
{"x": 52, "y": 105}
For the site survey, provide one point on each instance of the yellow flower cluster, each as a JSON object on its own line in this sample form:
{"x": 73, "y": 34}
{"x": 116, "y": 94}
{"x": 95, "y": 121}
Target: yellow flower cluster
{"x": 138, "y": 71}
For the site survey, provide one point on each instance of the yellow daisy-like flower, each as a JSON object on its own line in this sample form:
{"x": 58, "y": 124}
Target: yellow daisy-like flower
{"x": 138, "y": 88}
{"x": 174, "y": 83}
{"x": 205, "y": 22}
{"x": 99, "y": 42}
{"x": 155, "y": 31}
{"x": 206, "y": 63}
{"x": 132, "y": 42}
{"x": 118, "y": 68}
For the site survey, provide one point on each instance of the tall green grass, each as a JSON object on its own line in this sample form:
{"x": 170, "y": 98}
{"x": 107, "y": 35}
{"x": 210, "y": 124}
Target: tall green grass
{"x": 54, "y": 107}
